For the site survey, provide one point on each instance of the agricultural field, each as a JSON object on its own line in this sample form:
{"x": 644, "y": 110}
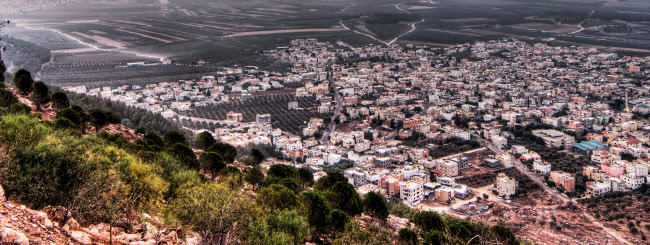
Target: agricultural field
{"x": 488, "y": 178}
{"x": 79, "y": 33}
{"x": 274, "y": 103}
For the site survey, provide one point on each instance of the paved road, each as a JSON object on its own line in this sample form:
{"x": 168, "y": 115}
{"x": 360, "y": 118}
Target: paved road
{"x": 324, "y": 140}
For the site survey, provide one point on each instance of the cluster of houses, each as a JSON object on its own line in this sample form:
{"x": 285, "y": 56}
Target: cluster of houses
{"x": 394, "y": 97}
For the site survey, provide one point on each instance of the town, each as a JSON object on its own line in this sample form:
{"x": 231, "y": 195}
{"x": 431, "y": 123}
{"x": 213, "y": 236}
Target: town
{"x": 451, "y": 129}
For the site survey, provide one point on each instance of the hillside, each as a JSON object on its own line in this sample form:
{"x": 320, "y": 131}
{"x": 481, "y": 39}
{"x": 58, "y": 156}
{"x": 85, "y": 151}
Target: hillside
{"x": 103, "y": 182}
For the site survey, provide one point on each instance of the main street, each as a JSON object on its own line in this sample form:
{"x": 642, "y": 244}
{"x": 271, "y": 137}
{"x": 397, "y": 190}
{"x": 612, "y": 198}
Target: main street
{"x": 324, "y": 140}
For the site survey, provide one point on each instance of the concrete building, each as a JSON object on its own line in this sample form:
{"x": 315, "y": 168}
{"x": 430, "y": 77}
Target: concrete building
{"x": 411, "y": 192}
{"x": 492, "y": 162}
{"x": 554, "y": 139}
{"x": 444, "y": 194}
{"x": 356, "y": 178}
{"x": 564, "y": 179}
{"x": 390, "y": 184}
{"x": 448, "y": 168}
{"x": 506, "y": 186}
{"x": 383, "y": 162}
{"x": 263, "y": 118}
{"x": 596, "y": 189}
{"x": 542, "y": 167}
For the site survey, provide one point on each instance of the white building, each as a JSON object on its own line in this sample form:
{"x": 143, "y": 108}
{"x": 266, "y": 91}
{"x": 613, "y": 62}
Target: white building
{"x": 332, "y": 158}
{"x": 356, "y": 178}
{"x": 542, "y": 167}
{"x": 499, "y": 141}
{"x": 506, "y": 186}
{"x": 411, "y": 191}
{"x": 596, "y": 189}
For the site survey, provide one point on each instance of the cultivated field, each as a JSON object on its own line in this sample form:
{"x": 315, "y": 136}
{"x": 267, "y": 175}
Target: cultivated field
{"x": 273, "y": 102}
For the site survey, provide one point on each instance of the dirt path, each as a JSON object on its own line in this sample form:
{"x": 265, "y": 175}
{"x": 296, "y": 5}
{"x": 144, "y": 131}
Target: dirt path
{"x": 255, "y": 33}
{"x": 365, "y": 34}
{"x": 401, "y": 9}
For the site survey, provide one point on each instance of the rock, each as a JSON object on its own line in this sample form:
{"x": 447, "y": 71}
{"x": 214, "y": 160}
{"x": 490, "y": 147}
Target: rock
{"x": 97, "y": 235}
{"x": 125, "y": 238}
{"x": 171, "y": 238}
{"x": 194, "y": 240}
{"x": 81, "y": 237}
{"x": 10, "y": 236}
{"x": 2, "y": 194}
{"x": 73, "y": 224}
{"x": 43, "y": 219}
{"x": 56, "y": 214}
{"x": 149, "y": 231}
{"x": 147, "y": 242}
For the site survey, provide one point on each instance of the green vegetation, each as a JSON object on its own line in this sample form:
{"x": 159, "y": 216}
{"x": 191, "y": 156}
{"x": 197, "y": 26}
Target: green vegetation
{"x": 102, "y": 177}
{"x": 133, "y": 117}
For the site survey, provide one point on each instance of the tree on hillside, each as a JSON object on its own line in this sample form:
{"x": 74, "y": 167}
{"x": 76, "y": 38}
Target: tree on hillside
{"x": 83, "y": 117}
{"x": 227, "y": 151}
{"x": 375, "y": 206}
{"x": 329, "y": 180}
{"x": 3, "y": 69}
{"x": 173, "y": 137}
{"x": 505, "y": 235}
{"x": 258, "y": 156}
{"x": 205, "y": 140}
{"x": 305, "y": 177}
{"x": 280, "y": 227}
{"x": 338, "y": 220}
{"x": 24, "y": 82}
{"x": 98, "y": 118}
{"x": 277, "y": 197}
{"x": 407, "y": 236}
{"x": 213, "y": 210}
{"x": 343, "y": 196}
{"x": 40, "y": 93}
{"x": 427, "y": 221}
{"x": 154, "y": 141}
{"x": 7, "y": 98}
{"x": 254, "y": 176}
{"x": 315, "y": 208}
{"x": 70, "y": 115}
{"x": 281, "y": 171}
{"x": 212, "y": 162}
{"x": 435, "y": 237}
{"x": 184, "y": 154}
{"x": 60, "y": 100}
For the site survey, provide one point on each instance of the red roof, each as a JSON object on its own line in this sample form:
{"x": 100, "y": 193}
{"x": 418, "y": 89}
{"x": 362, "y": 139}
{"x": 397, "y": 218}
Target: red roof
{"x": 632, "y": 141}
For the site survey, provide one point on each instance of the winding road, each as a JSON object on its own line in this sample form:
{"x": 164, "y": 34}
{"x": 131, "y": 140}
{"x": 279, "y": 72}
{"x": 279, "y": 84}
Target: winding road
{"x": 397, "y": 6}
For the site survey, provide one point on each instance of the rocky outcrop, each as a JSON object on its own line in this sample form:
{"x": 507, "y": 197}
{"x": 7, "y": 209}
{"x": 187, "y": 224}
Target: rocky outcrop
{"x": 55, "y": 225}
{"x": 10, "y": 236}
{"x": 2, "y": 194}
{"x": 81, "y": 237}
{"x": 20, "y": 225}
